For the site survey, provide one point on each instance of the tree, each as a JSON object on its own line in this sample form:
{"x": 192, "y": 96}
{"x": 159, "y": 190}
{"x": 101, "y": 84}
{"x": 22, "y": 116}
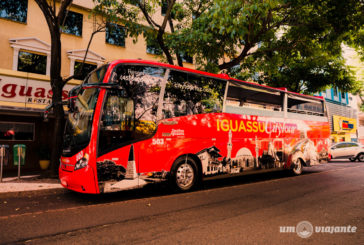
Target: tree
{"x": 307, "y": 67}
{"x": 314, "y": 58}
{"x": 54, "y": 21}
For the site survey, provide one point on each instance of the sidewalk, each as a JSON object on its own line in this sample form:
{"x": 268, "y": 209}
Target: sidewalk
{"x": 31, "y": 184}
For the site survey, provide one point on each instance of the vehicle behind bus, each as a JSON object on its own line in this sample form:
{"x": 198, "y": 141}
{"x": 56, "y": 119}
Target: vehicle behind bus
{"x": 135, "y": 122}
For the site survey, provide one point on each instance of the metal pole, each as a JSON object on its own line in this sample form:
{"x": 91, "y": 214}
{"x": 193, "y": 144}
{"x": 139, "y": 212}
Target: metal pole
{"x": 2, "y": 155}
{"x": 19, "y": 151}
{"x": 285, "y": 105}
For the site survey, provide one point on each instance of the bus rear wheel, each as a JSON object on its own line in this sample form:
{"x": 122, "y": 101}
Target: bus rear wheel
{"x": 184, "y": 174}
{"x": 297, "y": 167}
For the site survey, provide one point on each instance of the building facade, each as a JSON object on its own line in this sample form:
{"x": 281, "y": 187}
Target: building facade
{"x": 25, "y": 67}
{"x": 343, "y": 115}
{"x": 361, "y": 128}
{"x": 353, "y": 60}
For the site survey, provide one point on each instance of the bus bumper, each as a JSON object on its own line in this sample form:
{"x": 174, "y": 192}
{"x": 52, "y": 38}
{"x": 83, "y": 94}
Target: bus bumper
{"x": 82, "y": 180}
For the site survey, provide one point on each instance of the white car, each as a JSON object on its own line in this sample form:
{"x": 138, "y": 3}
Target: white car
{"x": 350, "y": 150}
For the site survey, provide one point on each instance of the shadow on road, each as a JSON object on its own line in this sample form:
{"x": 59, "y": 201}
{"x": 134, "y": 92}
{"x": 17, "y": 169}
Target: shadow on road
{"x": 162, "y": 189}
{"x": 69, "y": 199}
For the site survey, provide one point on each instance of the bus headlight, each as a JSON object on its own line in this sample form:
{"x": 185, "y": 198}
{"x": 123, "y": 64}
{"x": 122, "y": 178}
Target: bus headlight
{"x": 82, "y": 162}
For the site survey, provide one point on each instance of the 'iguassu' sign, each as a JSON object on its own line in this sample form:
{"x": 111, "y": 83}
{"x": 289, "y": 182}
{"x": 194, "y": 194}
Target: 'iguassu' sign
{"x": 27, "y": 91}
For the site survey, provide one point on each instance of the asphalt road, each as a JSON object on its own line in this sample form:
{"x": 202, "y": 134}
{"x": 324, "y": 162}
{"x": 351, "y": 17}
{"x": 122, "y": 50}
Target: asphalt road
{"x": 245, "y": 210}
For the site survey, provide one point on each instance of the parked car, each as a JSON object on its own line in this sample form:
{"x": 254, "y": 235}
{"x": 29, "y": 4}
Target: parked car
{"x": 353, "y": 151}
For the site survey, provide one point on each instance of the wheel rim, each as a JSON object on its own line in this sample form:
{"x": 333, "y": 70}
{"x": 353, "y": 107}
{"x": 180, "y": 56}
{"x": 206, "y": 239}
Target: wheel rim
{"x": 297, "y": 167}
{"x": 361, "y": 157}
{"x": 185, "y": 176}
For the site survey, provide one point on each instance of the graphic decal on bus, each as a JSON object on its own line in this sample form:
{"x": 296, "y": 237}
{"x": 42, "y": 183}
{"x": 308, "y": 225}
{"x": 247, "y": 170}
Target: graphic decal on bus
{"x": 236, "y": 155}
{"x": 270, "y": 153}
{"x": 113, "y": 177}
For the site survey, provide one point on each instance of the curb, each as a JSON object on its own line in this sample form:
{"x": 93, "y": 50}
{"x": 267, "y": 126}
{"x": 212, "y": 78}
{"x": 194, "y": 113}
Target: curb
{"x": 33, "y": 192}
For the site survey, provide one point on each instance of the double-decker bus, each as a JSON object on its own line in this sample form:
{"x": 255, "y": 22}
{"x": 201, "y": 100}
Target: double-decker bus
{"x": 136, "y": 122}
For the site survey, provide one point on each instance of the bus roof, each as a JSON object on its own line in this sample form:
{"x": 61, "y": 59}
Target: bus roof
{"x": 154, "y": 63}
{"x": 222, "y": 76}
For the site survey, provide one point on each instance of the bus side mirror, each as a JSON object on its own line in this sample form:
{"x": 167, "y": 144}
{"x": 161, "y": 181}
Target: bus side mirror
{"x": 72, "y": 98}
{"x": 46, "y": 112}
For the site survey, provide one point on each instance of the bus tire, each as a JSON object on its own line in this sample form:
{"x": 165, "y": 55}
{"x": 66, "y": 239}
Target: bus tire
{"x": 184, "y": 174}
{"x": 297, "y": 167}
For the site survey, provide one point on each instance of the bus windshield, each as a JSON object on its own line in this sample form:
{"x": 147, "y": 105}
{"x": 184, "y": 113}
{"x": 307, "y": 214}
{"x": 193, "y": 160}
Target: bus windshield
{"x": 79, "y": 121}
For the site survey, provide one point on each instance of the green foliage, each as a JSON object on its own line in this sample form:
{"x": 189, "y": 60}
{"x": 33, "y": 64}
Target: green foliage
{"x": 294, "y": 44}
{"x": 307, "y": 68}
{"x": 357, "y": 41}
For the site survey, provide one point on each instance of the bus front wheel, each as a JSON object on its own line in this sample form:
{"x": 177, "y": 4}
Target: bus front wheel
{"x": 184, "y": 174}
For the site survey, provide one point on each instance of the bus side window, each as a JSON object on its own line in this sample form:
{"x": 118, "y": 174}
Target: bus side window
{"x": 211, "y": 94}
{"x": 174, "y": 103}
{"x": 189, "y": 94}
{"x": 247, "y": 98}
{"x": 307, "y": 106}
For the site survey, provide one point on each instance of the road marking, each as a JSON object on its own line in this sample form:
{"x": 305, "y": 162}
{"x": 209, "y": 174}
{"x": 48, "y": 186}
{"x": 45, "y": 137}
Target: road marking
{"x": 168, "y": 196}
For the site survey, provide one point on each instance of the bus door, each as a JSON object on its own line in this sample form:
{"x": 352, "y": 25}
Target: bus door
{"x": 116, "y": 163}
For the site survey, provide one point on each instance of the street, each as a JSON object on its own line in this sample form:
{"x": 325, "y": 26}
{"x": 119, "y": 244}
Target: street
{"x": 245, "y": 210}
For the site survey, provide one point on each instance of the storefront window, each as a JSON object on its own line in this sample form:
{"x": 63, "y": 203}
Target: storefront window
{"x": 153, "y": 47}
{"x": 73, "y": 23}
{"x": 335, "y": 92}
{"x": 31, "y": 62}
{"x": 87, "y": 68}
{"x": 164, "y": 7}
{"x": 186, "y": 58}
{"x": 343, "y": 95}
{"x": 115, "y": 34}
{"x": 16, "y": 131}
{"x": 15, "y": 10}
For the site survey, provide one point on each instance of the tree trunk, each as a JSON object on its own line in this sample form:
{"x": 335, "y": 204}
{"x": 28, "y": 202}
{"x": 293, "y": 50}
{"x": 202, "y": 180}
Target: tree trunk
{"x": 57, "y": 139}
{"x": 54, "y": 21}
{"x": 57, "y": 86}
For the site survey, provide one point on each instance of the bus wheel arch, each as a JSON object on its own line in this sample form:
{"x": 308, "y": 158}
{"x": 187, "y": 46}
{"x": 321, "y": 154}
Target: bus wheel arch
{"x": 297, "y": 166}
{"x": 180, "y": 173}
{"x": 297, "y": 163}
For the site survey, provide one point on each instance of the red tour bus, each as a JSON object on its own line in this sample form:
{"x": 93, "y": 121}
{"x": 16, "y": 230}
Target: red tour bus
{"x": 136, "y": 122}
